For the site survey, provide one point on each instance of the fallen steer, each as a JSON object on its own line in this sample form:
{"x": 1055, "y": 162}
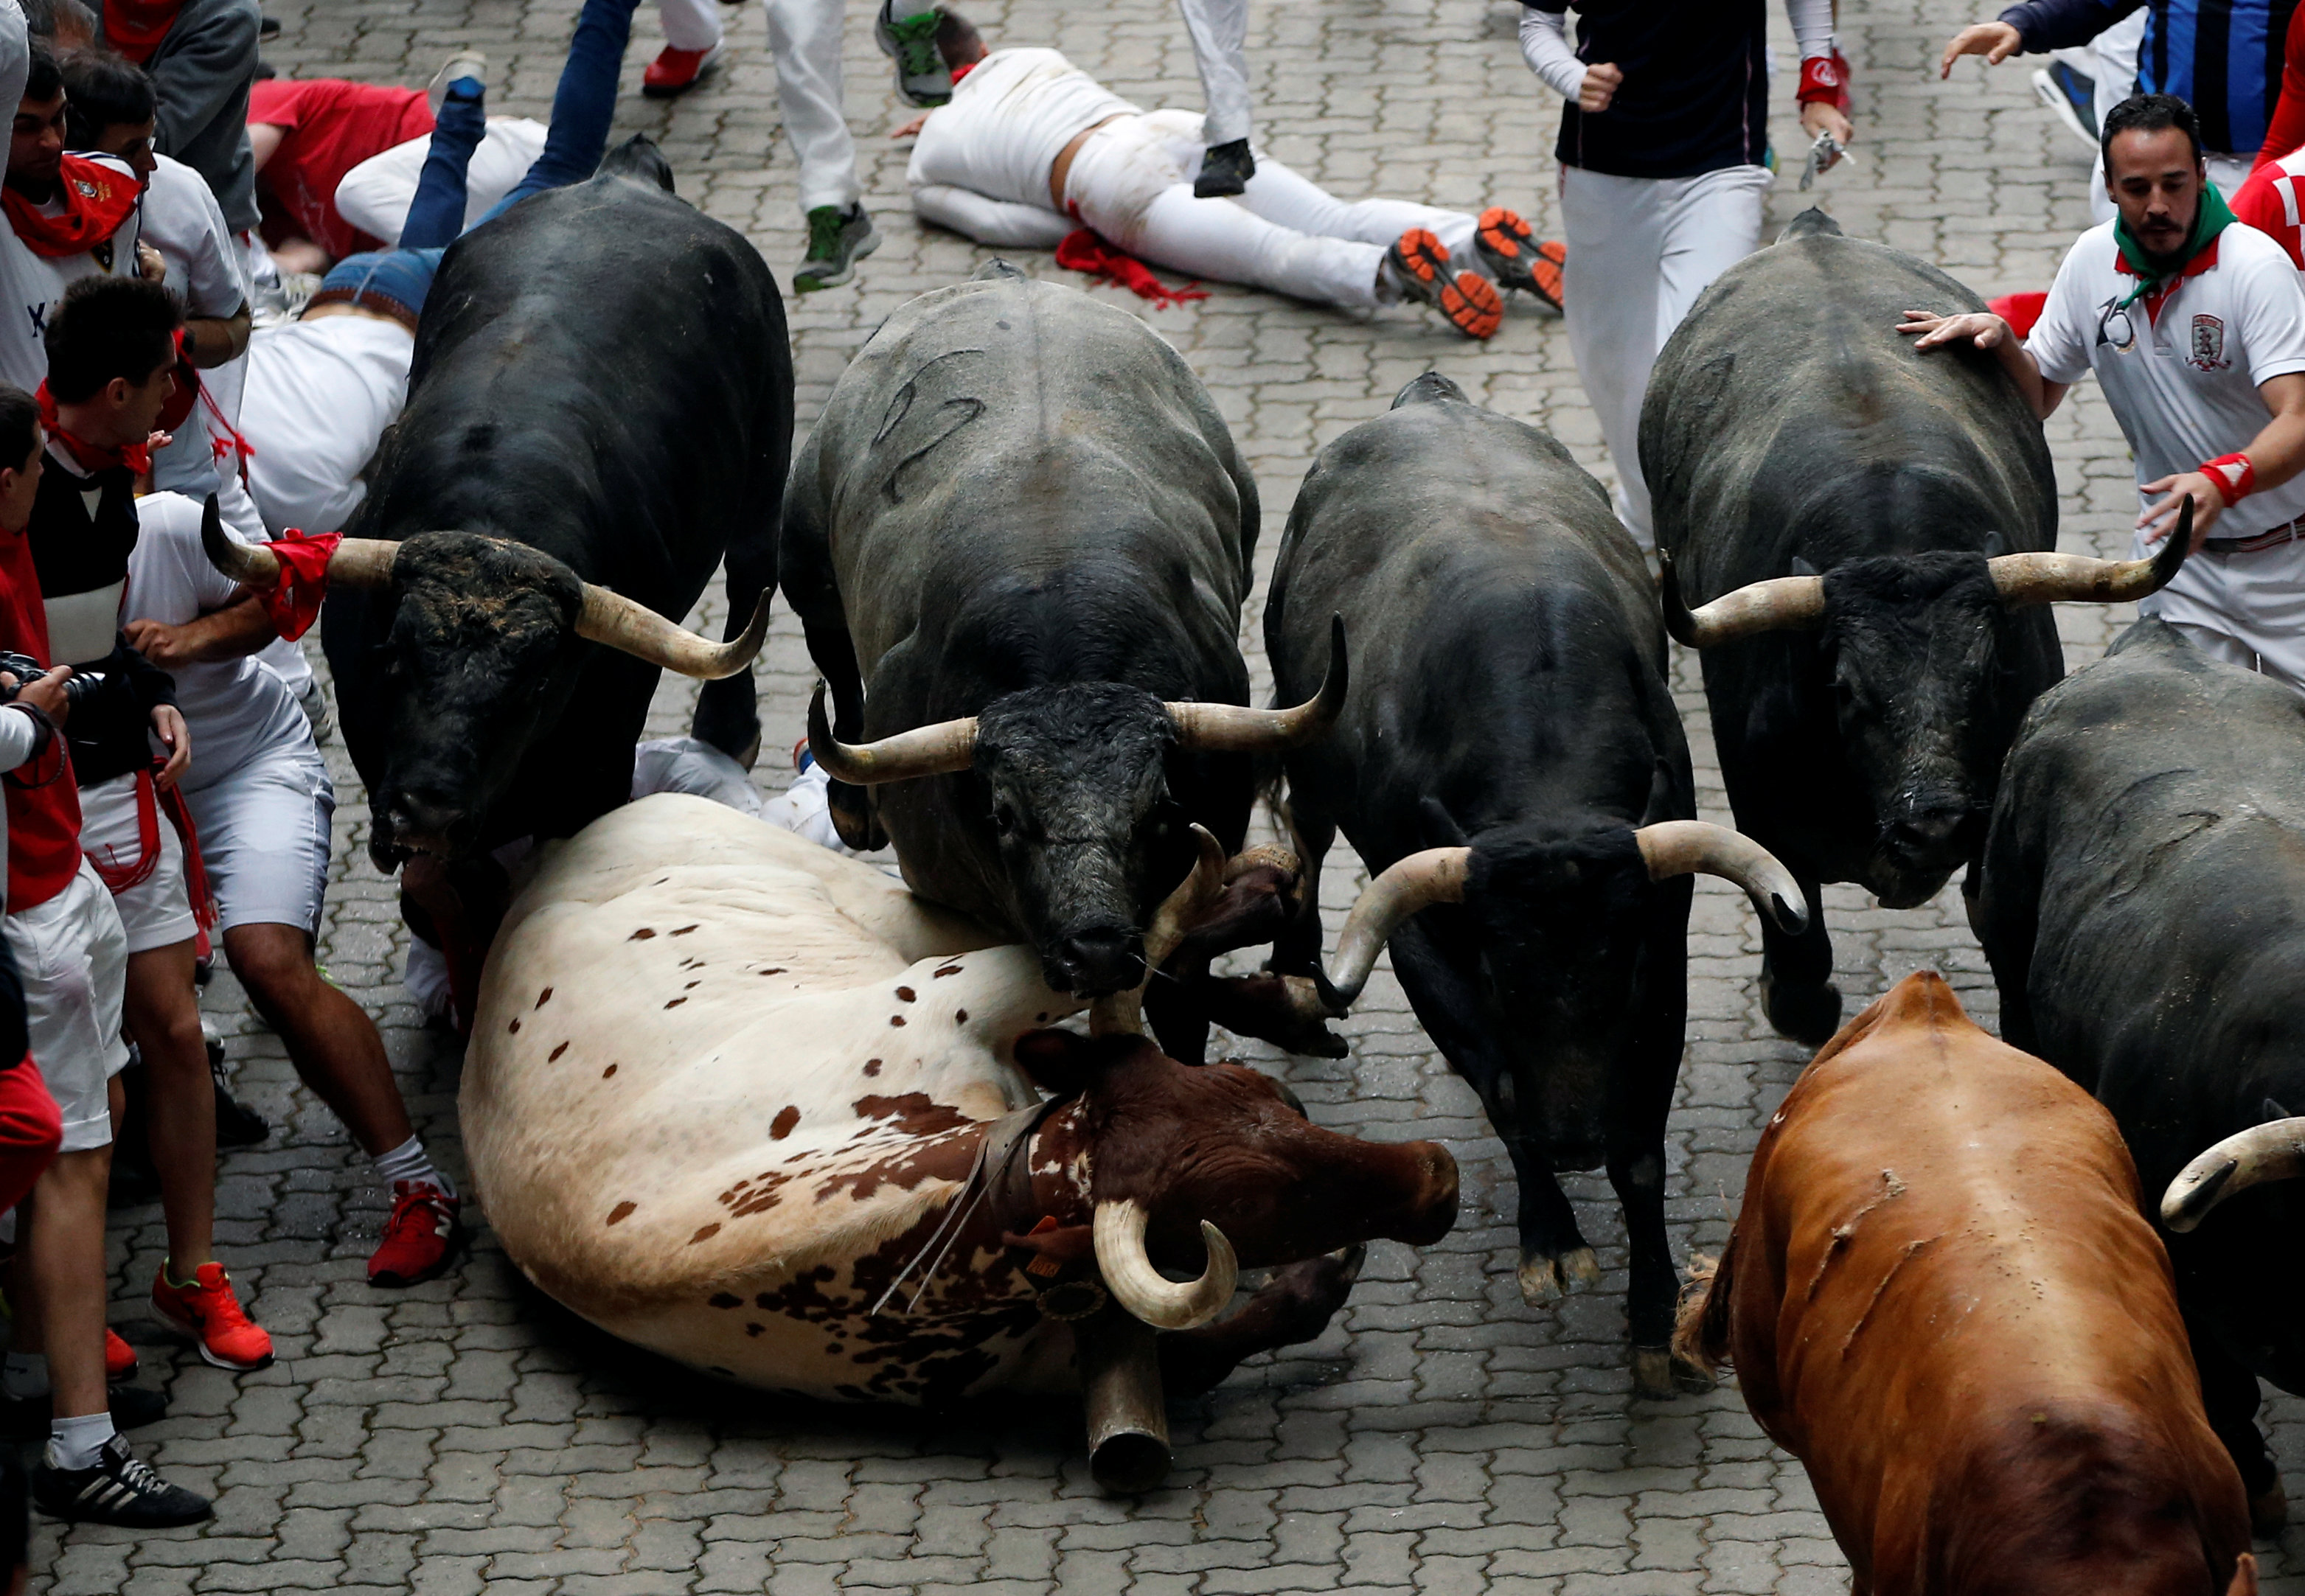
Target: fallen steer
{"x": 2139, "y": 901}
{"x": 1508, "y": 753}
{"x": 1019, "y": 541}
{"x": 1863, "y": 531}
{"x": 749, "y": 1104}
{"x": 599, "y": 413}
{"x": 1941, "y": 1296}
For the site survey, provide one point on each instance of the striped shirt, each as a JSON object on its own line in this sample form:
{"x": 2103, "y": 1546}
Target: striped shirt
{"x": 2221, "y": 56}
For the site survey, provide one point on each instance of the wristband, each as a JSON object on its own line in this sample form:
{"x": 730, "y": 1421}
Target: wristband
{"x": 2235, "y": 477}
{"x": 1824, "y": 80}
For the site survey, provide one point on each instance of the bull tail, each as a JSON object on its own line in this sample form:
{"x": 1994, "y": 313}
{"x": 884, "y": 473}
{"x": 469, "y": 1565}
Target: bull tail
{"x": 2244, "y": 1579}
{"x": 1700, "y": 1331}
{"x": 1810, "y": 224}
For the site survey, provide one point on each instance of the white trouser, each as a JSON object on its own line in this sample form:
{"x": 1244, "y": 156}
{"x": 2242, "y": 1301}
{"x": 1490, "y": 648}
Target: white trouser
{"x": 2247, "y": 609}
{"x": 1640, "y": 250}
{"x": 1132, "y": 182}
{"x": 805, "y": 36}
{"x": 1219, "y": 32}
{"x": 690, "y": 24}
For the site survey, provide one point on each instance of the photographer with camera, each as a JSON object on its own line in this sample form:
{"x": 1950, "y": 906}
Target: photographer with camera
{"x": 66, "y": 940}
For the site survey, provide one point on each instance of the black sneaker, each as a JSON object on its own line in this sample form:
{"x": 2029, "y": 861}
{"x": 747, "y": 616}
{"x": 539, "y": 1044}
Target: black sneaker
{"x": 120, "y": 1488}
{"x": 236, "y": 1124}
{"x": 838, "y": 240}
{"x": 26, "y": 1418}
{"x": 1225, "y": 170}
{"x": 910, "y": 41}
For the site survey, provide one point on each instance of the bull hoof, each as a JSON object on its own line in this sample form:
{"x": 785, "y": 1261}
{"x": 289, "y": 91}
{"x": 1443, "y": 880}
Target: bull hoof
{"x": 1808, "y": 1015}
{"x": 1691, "y": 1379}
{"x": 1652, "y": 1371}
{"x": 1544, "y": 1280}
{"x": 2268, "y": 1513}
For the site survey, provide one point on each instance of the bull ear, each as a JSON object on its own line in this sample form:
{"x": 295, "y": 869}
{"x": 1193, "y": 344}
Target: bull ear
{"x": 1801, "y": 567}
{"x": 1438, "y": 827}
{"x": 1660, "y": 805}
{"x": 1059, "y": 1062}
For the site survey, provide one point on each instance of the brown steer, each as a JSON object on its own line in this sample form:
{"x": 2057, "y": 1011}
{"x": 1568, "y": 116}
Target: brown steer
{"x": 1943, "y": 1297}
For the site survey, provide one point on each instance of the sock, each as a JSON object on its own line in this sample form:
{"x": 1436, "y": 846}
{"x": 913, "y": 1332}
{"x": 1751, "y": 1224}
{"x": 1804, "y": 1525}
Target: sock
{"x": 24, "y": 1375}
{"x": 75, "y": 1443}
{"x": 408, "y": 1162}
{"x": 168, "y": 1274}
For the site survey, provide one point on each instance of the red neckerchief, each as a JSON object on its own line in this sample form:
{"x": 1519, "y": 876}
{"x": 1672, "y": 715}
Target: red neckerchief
{"x": 97, "y": 200}
{"x": 961, "y": 70}
{"x": 93, "y": 457}
{"x": 2159, "y": 297}
{"x": 294, "y": 602}
{"x": 1083, "y": 251}
{"x": 135, "y": 28}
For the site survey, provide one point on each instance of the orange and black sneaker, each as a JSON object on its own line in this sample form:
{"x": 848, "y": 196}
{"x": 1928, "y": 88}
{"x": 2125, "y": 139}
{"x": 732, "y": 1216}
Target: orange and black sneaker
{"x": 208, "y": 1311}
{"x": 1420, "y": 265}
{"x": 1508, "y": 246}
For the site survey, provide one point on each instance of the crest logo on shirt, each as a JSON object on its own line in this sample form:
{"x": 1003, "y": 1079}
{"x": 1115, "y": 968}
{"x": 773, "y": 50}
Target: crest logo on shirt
{"x": 2208, "y": 345}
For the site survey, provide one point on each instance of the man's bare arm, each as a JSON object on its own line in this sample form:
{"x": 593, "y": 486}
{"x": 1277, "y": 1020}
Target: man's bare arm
{"x": 2275, "y": 454}
{"x": 240, "y": 628}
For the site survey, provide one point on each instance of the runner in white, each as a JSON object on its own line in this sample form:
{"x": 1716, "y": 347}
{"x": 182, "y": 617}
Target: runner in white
{"x": 320, "y": 392}
{"x": 1032, "y": 148}
{"x": 2195, "y": 326}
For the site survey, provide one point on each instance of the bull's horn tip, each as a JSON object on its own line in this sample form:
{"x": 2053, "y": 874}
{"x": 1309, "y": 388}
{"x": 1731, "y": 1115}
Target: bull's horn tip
{"x": 2180, "y": 1211}
{"x": 1792, "y": 919}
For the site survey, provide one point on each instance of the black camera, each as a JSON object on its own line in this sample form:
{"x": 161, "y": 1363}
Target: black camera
{"x": 27, "y": 670}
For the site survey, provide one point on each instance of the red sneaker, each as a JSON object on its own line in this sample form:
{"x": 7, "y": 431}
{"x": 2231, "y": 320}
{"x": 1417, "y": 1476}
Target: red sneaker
{"x": 419, "y": 1238}
{"x": 677, "y": 71}
{"x": 119, "y": 1357}
{"x": 208, "y": 1311}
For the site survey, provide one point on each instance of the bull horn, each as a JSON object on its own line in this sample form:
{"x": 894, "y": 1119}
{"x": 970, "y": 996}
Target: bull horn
{"x": 357, "y": 563}
{"x": 1232, "y": 728}
{"x": 1137, "y": 1286}
{"x": 1435, "y": 876}
{"x": 1699, "y": 848}
{"x": 2023, "y": 579}
{"x": 2275, "y": 1151}
{"x": 608, "y": 617}
{"x": 938, "y": 750}
{"x": 1782, "y": 604}
{"x": 1124, "y": 1012}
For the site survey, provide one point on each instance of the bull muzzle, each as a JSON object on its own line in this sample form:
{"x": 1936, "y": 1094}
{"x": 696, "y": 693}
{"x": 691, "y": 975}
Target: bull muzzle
{"x": 606, "y": 616}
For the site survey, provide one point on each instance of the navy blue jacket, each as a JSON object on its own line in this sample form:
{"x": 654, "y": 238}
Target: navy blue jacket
{"x": 2223, "y": 56}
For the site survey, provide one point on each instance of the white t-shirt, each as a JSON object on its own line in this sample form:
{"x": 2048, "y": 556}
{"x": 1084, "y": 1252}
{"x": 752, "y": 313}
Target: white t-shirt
{"x": 207, "y": 270}
{"x": 375, "y": 195}
{"x": 1008, "y": 122}
{"x": 2182, "y": 379}
{"x": 31, "y": 285}
{"x": 320, "y": 394}
{"x": 234, "y": 708}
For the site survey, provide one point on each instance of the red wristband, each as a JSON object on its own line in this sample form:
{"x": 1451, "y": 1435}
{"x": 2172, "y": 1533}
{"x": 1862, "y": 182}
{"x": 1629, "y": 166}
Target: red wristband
{"x": 2235, "y": 477}
{"x": 1822, "y": 81}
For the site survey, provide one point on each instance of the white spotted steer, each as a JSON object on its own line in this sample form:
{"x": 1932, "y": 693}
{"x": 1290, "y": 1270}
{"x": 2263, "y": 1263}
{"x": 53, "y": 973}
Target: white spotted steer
{"x": 752, "y": 1106}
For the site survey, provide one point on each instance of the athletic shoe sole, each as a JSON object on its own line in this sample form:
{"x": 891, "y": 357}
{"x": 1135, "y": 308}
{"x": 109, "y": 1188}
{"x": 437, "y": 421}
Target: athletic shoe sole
{"x": 928, "y": 99}
{"x": 814, "y": 281}
{"x": 1468, "y": 299}
{"x": 200, "y": 1344}
{"x": 2058, "y": 100}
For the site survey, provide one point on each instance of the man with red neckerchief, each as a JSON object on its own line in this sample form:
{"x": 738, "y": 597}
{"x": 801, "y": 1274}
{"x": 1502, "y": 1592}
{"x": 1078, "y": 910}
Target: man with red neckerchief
{"x": 2194, "y": 323}
{"x": 69, "y": 217}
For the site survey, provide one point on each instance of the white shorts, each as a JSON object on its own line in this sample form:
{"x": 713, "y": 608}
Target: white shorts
{"x": 73, "y": 958}
{"x": 157, "y": 911}
{"x": 264, "y": 837}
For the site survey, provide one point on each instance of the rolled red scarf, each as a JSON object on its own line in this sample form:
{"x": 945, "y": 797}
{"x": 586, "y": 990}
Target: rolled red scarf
{"x": 97, "y": 200}
{"x": 136, "y": 457}
{"x": 294, "y": 602}
{"x": 1084, "y": 251}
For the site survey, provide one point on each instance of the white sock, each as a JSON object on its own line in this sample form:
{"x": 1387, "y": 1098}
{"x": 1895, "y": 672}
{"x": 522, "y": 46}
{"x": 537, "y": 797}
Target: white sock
{"x": 408, "y": 1162}
{"x": 24, "y": 1375}
{"x": 74, "y": 1443}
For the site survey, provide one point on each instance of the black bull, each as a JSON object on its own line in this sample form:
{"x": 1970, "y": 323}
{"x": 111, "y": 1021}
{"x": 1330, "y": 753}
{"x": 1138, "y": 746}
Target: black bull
{"x": 601, "y": 394}
{"x": 1858, "y": 523}
{"x": 2142, "y": 899}
{"x": 1509, "y": 724}
{"x": 1019, "y": 541}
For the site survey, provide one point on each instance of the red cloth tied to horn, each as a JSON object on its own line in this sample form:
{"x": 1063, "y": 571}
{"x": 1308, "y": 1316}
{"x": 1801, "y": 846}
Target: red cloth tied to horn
{"x": 294, "y": 602}
{"x": 1084, "y": 251}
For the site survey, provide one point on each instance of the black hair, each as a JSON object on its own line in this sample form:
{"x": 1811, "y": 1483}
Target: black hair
{"x": 2149, "y": 113}
{"x": 41, "y": 18}
{"x": 19, "y": 423}
{"x": 109, "y": 327}
{"x": 45, "y": 80}
{"x": 103, "y": 91}
{"x": 957, "y": 39}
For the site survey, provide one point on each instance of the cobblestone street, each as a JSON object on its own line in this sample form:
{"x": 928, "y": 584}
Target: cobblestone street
{"x": 1441, "y": 1436}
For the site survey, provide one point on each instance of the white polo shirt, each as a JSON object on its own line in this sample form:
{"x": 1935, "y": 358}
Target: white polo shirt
{"x": 2183, "y": 374}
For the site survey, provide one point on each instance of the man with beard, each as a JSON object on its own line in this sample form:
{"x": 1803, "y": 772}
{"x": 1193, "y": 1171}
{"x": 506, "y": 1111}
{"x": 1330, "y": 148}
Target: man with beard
{"x": 2195, "y": 326}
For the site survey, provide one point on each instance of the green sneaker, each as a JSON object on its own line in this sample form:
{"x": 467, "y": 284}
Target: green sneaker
{"x": 922, "y": 75}
{"x": 838, "y": 240}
